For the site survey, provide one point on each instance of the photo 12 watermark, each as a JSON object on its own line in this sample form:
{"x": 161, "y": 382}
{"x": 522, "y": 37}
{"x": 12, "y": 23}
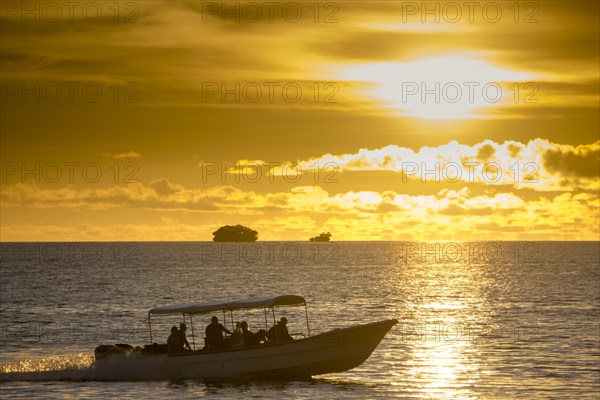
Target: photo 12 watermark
{"x": 451, "y": 332}
{"x": 468, "y": 92}
{"x": 70, "y": 92}
{"x": 119, "y": 12}
{"x": 69, "y": 252}
{"x": 269, "y": 172}
{"x": 270, "y": 92}
{"x": 468, "y": 331}
{"x": 31, "y": 333}
{"x": 468, "y": 252}
{"x": 472, "y": 12}
{"x": 470, "y": 171}
{"x": 69, "y": 172}
{"x": 267, "y": 253}
{"x": 290, "y": 12}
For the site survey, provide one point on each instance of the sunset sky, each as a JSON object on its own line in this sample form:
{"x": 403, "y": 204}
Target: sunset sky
{"x": 159, "y": 120}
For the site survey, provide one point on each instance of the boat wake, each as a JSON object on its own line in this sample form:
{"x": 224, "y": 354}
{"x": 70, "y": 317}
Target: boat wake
{"x": 74, "y": 367}
{"x": 51, "y": 368}
{"x": 77, "y": 367}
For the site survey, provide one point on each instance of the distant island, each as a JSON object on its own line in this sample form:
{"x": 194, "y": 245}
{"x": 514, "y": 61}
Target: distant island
{"x": 235, "y": 233}
{"x": 323, "y": 237}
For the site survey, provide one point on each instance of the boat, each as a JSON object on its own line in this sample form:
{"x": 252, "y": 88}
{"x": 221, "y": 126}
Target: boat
{"x": 333, "y": 351}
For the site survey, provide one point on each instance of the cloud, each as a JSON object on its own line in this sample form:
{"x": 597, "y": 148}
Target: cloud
{"x": 580, "y": 161}
{"x": 129, "y": 154}
{"x": 160, "y": 231}
{"x": 538, "y": 165}
{"x": 158, "y": 195}
{"x": 164, "y": 188}
{"x": 485, "y": 152}
{"x": 304, "y": 210}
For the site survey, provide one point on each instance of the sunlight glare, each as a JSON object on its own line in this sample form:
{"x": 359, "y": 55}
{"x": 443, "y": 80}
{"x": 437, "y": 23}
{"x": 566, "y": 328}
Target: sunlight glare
{"x": 449, "y": 87}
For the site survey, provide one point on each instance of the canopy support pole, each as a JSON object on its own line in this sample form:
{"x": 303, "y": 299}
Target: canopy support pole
{"x": 266, "y": 322}
{"x": 273, "y": 309}
{"x": 306, "y": 313}
{"x": 193, "y": 336}
{"x": 150, "y": 330}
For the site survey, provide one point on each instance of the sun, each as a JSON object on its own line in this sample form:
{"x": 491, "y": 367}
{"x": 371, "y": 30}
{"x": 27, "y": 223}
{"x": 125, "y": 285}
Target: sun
{"x": 449, "y": 87}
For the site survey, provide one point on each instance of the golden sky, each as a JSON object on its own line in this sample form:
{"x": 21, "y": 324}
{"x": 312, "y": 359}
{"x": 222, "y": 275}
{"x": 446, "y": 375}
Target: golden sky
{"x": 391, "y": 120}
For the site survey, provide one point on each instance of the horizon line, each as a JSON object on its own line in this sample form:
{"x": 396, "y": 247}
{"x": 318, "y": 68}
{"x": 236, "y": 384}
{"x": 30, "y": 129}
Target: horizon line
{"x": 290, "y": 241}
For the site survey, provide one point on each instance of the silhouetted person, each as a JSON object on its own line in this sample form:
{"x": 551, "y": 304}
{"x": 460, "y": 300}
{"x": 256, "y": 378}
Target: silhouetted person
{"x": 214, "y": 334}
{"x": 237, "y": 337}
{"x": 272, "y": 333}
{"x": 282, "y": 331}
{"x": 182, "y": 338}
{"x": 251, "y": 338}
{"x": 174, "y": 344}
{"x": 279, "y": 332}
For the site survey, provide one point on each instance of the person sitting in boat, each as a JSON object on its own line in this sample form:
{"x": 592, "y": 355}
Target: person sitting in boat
{"x": 237, "y": 337}
{"x": 282, "y": 331}
{"x": 214, "y": 334}
{"x": 183, "y": 340}
{"x": 174, "y": 344}
{"x": 251, "y": 338}
{"x": 272, "y": 333}
{"x": 279, "y": 332}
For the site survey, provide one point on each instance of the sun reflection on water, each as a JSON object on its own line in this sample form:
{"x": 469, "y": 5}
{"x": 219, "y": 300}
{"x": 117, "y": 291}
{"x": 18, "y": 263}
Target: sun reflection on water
{"x": 440, "y": 370}
{"x": 447, "y": 301}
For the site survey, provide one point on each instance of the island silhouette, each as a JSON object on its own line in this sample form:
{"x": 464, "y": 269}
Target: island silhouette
{"x": 235, "y": 233}
{"x": 323, "y": 237}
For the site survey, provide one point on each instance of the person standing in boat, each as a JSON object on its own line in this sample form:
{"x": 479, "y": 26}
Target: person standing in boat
{"x": 182, "y": 338}
{"x": 174, "y": 345}
{"x": 214, "y": 334}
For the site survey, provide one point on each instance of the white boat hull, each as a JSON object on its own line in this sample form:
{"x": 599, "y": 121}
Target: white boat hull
{"x": 335, "y": 351}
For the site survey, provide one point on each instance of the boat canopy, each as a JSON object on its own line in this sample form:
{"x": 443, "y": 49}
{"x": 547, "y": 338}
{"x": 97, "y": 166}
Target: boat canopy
{"x": 202, "y": 308}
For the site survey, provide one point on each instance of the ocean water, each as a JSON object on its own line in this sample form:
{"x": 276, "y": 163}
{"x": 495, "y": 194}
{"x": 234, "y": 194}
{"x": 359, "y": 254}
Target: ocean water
{"x": 477, "y": 320}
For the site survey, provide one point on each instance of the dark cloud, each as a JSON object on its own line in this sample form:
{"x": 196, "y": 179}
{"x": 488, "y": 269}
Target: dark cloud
{"x": 455, "y": 209}
{"x": 495, "y": 227}
{"x": 485, "y": 152}
{"x": 565, "y": 32}
{"x": 163, "y": 187}
{"x": 514, "y": 150}
{"x": 573, "y": 163}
